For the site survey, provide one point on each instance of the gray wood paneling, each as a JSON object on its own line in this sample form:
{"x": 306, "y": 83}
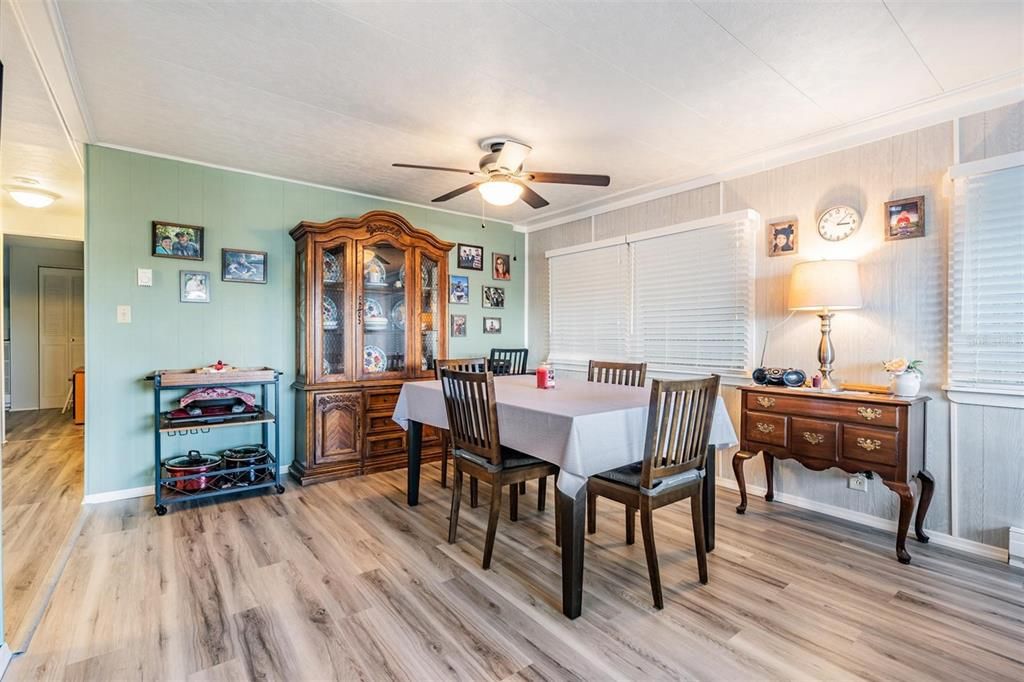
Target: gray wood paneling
{"x": 992, "y": 133}
{"x": 991, "y": 482}
{"x": 673, "y": 209}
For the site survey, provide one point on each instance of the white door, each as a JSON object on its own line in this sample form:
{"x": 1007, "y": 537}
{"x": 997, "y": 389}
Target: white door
{"x": 61, "y": 338}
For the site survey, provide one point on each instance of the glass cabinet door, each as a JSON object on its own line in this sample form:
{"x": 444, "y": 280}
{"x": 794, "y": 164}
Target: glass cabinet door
{"x": 429, "y": 324}
{"x": 332, "y": 329}
{"x": 382, "y": 310}
{"x": 300, "y": 312}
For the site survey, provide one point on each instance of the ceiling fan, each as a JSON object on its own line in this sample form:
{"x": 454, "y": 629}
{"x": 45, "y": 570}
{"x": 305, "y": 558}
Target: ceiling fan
{"x": 501, "y": 178}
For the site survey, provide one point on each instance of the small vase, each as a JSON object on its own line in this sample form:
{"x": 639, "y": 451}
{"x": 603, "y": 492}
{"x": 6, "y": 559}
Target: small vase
{"x": 905, "y": 384}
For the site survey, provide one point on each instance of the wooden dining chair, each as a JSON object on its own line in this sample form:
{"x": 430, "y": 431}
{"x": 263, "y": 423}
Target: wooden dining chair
{"x": 621, "y": 373}
{"x": 460, "y": 365}
{"x": 505, "y": 361}
{"x": 473, "y": 428}
{"x": 678, "y": 428}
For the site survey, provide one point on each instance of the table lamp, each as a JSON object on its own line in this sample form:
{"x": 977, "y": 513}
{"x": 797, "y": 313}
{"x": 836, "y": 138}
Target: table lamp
{"x": 825, "y": 286}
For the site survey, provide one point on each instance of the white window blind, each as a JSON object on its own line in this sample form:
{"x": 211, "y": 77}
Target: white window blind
{"x": 589, "y": 305}
{"x": 986, "y": 297}
{"x": 693, "y": 298}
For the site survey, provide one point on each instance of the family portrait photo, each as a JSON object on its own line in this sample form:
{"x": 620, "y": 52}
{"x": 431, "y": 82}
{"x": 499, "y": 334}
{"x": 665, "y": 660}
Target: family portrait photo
{"x": 239, "y": 265}
{"x": 501, "y": 267}
{"x": 173, "y": 240}
{"x": 494, "y": 297}
{"x": 904, "y": 218}
{"x": 195, "y": 287}
{"x": 458, "y": 289}
{"x": 782, "y": 237}
{"x": 471, "y": 257}
{"x": 492, "y": 325}
{"x": 458, "y": 326}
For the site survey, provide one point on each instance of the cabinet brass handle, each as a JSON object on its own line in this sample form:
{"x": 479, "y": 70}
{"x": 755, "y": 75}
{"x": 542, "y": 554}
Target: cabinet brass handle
{"x": 765, "y": 428}
{"x": 359, "y": 310}
{"x": 869, "y": 444}
{"x": 869, "y": 413}
{"x": 813, "y": 438}
{"x": 764, "y": 401}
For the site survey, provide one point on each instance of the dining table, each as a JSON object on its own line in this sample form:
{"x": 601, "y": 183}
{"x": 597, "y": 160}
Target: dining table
{"x": 584, "y": 427}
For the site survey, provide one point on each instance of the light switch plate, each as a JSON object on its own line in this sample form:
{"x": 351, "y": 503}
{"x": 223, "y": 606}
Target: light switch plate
{"x": 145, "y": 277}
{"x": 124, "y": 314}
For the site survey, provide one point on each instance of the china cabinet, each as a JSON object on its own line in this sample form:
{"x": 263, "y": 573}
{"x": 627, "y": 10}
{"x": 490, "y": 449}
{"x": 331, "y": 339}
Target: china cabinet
{"x": 371, "y": 300}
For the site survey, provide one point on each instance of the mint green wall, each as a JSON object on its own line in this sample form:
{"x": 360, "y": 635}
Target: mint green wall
{"x": 245, "y": 324}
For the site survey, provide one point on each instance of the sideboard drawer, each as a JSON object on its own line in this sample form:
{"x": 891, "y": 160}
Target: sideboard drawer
{"x": 382, "y": 400}
{"x": 379, "y": 445}
{"x": 874, "y": 414}
{"x": 864, "y": 444}
{"x": 766, "y": 428}
{"x": 381, "y": 423}
{"x": 815, "y": 438}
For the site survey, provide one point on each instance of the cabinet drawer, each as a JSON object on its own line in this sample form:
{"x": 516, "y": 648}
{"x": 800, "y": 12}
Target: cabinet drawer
{"x": 815, "y": 438}
{"x": 385, "y": 444}
{"x": 874, "y": 414}
{"x": 381, "y": 423}
{"x": 876, "y": 446}
{"x": 382, "y": 401}
{"x": 766, "y": 428}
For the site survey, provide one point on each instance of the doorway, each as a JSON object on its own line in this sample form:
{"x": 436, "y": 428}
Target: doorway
{"x": 61, "y": 332}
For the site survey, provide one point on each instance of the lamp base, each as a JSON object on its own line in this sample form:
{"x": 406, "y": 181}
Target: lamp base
{"x": 826, "y": 353}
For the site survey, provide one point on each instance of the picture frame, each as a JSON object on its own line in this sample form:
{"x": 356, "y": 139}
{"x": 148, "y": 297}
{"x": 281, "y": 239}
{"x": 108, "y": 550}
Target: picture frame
{"x": 243, "y": 265}
{"x": 458, "y": 326}
{"x": 176, "y": 240}
{"x": 470, "y": 257}
{"x": 492, "y": 325}
{"x": 493, "y": 297}
{"x": 783, "y": 237}
{"x": 458, "y": 289}
{"x": 503, "y": 274}
{"x": 195, "y": 286}
{"x": 904, "y": 219}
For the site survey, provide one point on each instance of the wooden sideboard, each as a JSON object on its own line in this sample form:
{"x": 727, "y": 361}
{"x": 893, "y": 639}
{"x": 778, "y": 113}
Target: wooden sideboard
{"x": 855, "y": 432}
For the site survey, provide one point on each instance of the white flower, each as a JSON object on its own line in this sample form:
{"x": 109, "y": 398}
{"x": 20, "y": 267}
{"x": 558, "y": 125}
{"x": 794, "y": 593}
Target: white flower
{"x": 896, "y": 366}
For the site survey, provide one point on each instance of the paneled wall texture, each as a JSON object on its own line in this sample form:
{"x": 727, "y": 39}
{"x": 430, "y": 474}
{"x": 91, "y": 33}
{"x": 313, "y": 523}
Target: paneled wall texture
{"x": 904, "y": 289}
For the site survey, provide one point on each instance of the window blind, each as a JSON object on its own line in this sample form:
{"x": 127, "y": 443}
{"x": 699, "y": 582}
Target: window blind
{"x": 986, "y": 294}
{"x": 692, "y": 300}
{"x": 589, "y": 305}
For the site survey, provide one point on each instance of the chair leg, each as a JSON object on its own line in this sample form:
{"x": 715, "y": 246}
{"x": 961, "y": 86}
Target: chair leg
{"x": 492, "y": 523}
{"x": 513, "y": 502}
{"x": 453, "y": 518}
{"x": 542, "y": 493}
{"x": 558, "y": 523}
{"x": 647, "y": 528}
{"x": 474, "y": 491}
{"x": 630, "y": 525}
{"x": 522, "y": 487}
{"x": 591, "y": 513}
{"x": 444, "y": 460}
{"x": 697, "y": 514}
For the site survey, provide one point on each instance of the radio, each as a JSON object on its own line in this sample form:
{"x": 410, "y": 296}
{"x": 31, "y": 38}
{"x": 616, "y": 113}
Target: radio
{"x": 777, "y": 376}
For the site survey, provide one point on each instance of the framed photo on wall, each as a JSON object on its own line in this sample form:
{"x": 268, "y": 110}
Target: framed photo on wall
{"x": 195, "y": 286}
{"x": 458, "y": 326}
{"x": 240, "y": 265}
{"x": 492, "y": 325}
{"x": 904, "y": 218}
{"x": 783, "y": 237}
{"x": 501, "y": 270}
{"x": 493, "y": 297}
{"x": 471, "y": 257}
{"x": 175, "y": 240}
{"x": 458, "y": 289}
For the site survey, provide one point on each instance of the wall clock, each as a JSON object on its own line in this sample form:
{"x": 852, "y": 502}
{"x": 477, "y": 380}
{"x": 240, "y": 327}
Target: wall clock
{"x": 838, "y": 223}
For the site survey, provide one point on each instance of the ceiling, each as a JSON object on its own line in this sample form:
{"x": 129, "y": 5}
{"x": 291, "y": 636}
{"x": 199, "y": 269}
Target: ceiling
{"x": 650, "y": 93}
{"x": 33, "y": 144}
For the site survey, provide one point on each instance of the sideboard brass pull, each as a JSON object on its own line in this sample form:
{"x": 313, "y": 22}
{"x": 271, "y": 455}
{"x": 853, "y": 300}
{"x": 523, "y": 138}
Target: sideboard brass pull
{"x": 813, "y": 438}
{"x": 765, "y": 428}
{"x": 869, "y": 413}
{"x": 869, "y": 444}
{"x": 765, "y": 401}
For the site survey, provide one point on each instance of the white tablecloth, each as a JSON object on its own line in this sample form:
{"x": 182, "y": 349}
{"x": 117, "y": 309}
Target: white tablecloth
{"x": 583, "y": 427}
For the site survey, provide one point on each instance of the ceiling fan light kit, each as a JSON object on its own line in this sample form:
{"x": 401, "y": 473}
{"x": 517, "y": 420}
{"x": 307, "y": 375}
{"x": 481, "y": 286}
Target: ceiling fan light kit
{"x": 500, "y": 192}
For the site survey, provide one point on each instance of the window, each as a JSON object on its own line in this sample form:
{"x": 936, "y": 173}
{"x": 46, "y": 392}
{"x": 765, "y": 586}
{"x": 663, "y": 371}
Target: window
{"x": 679, "y": 298}
{"x": 986, "y": 283}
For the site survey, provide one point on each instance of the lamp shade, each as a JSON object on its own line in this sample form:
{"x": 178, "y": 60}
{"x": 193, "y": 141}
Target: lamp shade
{"x": 832, "y": 284}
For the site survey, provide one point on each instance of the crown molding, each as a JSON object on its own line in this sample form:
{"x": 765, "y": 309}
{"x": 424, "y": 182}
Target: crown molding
{"x": 950, "y": 106}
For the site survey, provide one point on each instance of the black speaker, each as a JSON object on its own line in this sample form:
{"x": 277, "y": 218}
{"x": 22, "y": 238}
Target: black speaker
{"x": 777, "y": 376}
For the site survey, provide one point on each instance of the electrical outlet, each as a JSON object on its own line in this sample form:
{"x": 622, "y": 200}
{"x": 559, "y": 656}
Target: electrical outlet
{"x": 124, "y": 314}
{"x": 858, "y": 482}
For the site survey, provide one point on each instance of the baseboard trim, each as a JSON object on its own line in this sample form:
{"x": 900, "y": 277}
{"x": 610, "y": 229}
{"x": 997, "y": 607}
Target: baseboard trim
{"x": 129, "y": 493}
{"x": 5, "y": 658}
{"x": 940, "y": 539}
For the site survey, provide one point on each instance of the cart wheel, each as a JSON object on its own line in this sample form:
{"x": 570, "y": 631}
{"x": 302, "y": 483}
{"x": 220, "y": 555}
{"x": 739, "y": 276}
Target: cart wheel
{"x": 279, "y": 488}
{"x": 160, "y": 510}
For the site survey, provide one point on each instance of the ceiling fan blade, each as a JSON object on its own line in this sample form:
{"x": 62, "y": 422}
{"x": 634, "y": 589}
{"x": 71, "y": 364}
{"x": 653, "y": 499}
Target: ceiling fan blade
{"x": 437, "y": 168}
{"x": 529, "y": 196}
{"x": 512, "y": 155}
{"x": 569, "y": 178}
{"x": 456, "y": 192}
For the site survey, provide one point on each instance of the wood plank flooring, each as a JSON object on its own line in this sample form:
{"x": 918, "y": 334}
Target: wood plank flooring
{"x": 42, "y": 498}
{"x": 343, "y": 581}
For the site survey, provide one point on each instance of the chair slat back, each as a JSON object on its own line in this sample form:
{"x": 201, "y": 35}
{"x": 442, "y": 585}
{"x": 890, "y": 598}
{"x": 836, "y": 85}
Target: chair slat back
{"x": 460, "y": 365}
{"x": 621, "y": 373}
{"x": 508, "y": 360}
{"x": 678, "y": 427}
{"x": 472, "y": 413}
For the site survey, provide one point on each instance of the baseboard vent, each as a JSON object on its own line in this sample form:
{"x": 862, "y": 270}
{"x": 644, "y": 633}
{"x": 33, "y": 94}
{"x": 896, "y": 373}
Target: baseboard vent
{"x": 1017, "y": 547}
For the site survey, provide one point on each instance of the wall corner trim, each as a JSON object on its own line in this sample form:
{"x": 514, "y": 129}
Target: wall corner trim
{"x": 1017, "y": 547}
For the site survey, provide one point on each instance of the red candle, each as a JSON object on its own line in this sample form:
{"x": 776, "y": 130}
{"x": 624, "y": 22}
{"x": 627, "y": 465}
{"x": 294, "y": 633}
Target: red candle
{"x": 542, "y": 377}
